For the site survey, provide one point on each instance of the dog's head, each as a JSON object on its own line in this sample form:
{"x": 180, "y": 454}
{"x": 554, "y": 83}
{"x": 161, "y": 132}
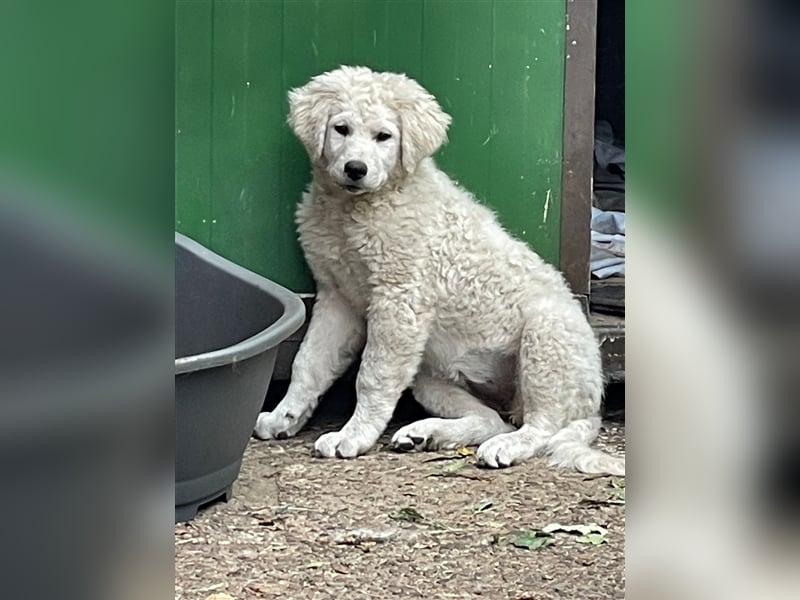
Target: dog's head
{"x": 363, "y": 129}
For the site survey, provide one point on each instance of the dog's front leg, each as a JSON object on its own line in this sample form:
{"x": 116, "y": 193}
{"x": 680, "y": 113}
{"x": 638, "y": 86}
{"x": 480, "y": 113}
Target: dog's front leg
{"x": 397, "y": 331}
{"x": 334, "y": 337}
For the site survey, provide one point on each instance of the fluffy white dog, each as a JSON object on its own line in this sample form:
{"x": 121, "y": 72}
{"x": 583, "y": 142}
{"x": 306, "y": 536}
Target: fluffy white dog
{"x": 411, "y": 269}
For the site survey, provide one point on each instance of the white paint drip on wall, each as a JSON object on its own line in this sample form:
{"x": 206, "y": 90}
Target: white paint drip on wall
{"x": 546, "y": 205}
{"x": 492, "y": 132}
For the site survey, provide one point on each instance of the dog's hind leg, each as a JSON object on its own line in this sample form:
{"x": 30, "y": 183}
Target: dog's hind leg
{"x": 464, "y": 421}
{"x": 559, "y": 380}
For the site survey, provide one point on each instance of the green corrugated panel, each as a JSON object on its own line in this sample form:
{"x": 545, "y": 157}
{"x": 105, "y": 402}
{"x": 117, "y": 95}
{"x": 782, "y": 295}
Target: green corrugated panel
{"x": 193, "y": 119}
{"x": 496, "y": 66}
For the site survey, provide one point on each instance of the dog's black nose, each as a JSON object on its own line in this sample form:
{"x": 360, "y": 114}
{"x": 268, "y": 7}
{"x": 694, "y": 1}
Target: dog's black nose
{"x": 355, "y": 169}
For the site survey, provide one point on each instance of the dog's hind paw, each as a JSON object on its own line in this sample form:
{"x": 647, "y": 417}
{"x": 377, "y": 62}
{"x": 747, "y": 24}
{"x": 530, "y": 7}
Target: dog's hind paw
{"x": 506, "y": 449}
{"x": 422, "y": 435}
{"x": 447, "y": 434}
{"x": 403, "y": 443}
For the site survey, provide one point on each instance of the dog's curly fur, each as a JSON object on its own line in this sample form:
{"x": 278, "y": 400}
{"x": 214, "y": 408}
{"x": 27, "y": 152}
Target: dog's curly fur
{"x": 413, "y": 270}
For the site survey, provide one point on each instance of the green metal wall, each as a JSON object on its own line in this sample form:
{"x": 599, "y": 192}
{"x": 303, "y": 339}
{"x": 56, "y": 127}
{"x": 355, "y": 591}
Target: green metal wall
{"x": 497, "y": 66}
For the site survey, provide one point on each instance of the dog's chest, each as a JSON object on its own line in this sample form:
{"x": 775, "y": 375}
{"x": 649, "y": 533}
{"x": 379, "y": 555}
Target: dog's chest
{"x": 334, "y": 244}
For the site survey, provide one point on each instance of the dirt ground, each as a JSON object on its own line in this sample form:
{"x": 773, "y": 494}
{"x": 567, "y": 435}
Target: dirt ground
{"x": 302, "y": 528}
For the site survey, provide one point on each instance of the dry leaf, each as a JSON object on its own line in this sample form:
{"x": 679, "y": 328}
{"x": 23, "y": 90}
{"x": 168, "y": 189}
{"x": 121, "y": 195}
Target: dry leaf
{"x": 407, "y": 514}
{"x": 532, "y": 540}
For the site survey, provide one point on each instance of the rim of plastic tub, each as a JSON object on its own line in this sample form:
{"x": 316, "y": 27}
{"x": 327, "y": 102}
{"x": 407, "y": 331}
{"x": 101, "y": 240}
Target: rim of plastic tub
{"x": 294, "y": 314}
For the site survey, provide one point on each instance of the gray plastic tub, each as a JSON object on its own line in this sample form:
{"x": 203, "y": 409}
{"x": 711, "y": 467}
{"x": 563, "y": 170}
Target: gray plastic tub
{"x": 228, "y": 324}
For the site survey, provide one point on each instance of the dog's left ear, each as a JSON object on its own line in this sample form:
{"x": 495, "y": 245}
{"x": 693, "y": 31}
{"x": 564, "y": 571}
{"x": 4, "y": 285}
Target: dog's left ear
{"x": 423, "y": 123}
{"x": 310, "y": 108}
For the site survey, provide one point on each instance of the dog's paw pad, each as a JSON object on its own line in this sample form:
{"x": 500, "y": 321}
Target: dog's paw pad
{"x": 408, "y": 443}
{"x": 421, "y": 435}
{"x": 403, "y": 445}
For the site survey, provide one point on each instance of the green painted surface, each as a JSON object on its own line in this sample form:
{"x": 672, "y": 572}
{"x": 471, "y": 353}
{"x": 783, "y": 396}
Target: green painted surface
{"x": 496, "y": 66}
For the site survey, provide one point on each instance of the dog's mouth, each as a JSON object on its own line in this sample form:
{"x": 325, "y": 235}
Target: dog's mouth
{"x": 353, "y": 189}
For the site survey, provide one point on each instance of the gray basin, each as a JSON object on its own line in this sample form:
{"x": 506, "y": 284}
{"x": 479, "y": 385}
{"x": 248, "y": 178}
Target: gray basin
{"x": 229, "y": 323}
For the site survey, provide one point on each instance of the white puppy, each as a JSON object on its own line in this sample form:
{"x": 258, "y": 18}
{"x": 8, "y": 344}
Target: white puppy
{"x": 411, "y": 269}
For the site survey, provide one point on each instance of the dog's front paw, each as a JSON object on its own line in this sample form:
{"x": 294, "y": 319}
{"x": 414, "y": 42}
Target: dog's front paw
{"x": 341, "y": 444}
{"x": 277, "y": 425}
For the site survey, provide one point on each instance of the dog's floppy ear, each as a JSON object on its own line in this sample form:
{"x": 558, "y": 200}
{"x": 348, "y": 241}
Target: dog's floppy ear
{"x": 310, "y": 108}
{"x": 423, "y": 123}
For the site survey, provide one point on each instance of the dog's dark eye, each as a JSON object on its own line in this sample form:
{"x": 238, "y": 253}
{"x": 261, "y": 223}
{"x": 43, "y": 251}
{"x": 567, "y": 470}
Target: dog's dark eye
{"x": 383, "y": 136}
{"x": 342, "y": 129}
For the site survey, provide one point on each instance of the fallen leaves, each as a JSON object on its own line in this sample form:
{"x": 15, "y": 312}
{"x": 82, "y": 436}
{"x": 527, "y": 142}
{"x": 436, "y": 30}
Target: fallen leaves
{"x": 619, "y": 486}
{"x": 412, "y": 515}
{"x": 587, "y": 534}
{"x": 407, "y": 514}
{"x": 455, "y": 466}
{"x": 361, "y": 536}
{"x": 531, "y": 540}
{"x": 483, "y": 505}
{"x": 535, "y": 539}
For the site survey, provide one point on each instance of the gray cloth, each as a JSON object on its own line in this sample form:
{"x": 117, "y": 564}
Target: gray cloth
{"x": 605, "y": 151}
{"x": 607, "y": 255}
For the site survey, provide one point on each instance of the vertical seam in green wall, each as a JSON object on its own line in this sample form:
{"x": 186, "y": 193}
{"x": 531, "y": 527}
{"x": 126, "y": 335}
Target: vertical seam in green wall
{"x": 282, "y": 136}
{"x": 353, "y": 34}
{"x": 210, "y": 231}
{"x": 564, "y": 51}
{"x": 385, "y": 34}
{"x": 249, "y": 249}
{"x": 422, "y": 44}
{"x": 175, "y": 116}
{"x": 491, "y": 147}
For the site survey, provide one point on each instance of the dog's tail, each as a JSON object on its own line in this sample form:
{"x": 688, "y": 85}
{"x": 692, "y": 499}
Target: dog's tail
{"x": 570, "y": 448}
